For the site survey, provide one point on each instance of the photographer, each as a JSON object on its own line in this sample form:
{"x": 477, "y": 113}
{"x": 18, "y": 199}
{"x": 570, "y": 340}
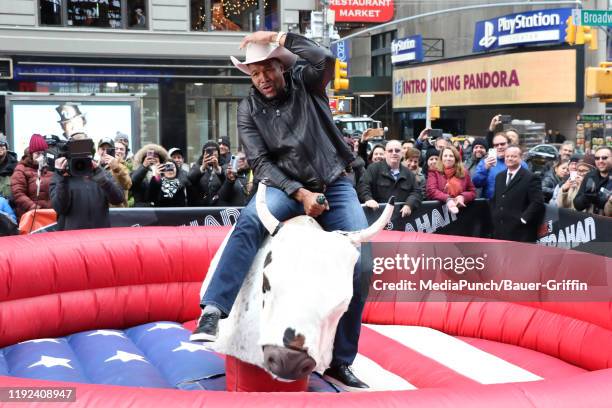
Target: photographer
{"x": 237, "y": 188}
{"x": 165, "y": 188}
{"x": 82, "y": 201}
{"x": 113, "y": 165}
{"x": 8, "y": 162}
{"x": 145, "y": 160}
{"x": 206, "y": 177}
{"x": 595, "y": 192}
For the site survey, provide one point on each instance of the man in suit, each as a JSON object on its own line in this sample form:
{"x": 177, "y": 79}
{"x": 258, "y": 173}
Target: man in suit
{"x": 518, "y": 203}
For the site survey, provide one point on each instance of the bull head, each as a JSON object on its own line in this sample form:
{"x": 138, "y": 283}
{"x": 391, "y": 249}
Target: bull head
{"x": 307, "y": 287}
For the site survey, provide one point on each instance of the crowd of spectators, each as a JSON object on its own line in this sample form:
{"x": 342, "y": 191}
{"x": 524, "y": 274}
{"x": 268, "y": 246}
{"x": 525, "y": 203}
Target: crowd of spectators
{"x": 452, "y": 172}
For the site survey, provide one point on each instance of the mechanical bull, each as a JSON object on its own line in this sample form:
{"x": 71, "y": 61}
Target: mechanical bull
{"x": 300, "y": 284}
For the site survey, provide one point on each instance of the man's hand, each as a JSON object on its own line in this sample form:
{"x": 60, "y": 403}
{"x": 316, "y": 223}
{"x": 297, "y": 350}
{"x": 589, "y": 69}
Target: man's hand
{"x": 424, "y": 135}
{"x": 309, "y": 201}
{"x": 60, "y": 165}
{"x": 229, "y": 173}
{"x": 494, "y": 122}
{"x": 405, "y": 211}
{"x": 490, "y": 162}
{"x": 371, "y": 204}
{"x": 259, "y": 37}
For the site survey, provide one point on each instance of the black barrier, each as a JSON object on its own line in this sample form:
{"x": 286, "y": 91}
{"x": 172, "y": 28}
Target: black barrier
{"x": 560, "y": 227}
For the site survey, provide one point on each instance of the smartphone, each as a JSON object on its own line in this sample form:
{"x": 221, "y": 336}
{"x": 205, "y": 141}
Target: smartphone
{"x": 505, "y": 119}
{"x": 150, "y": 153}
{"x": 111, "y": 151}
{"x": 234, "y": 164}
{"x": 435, "y": 133}
{"x": 169, "y": 167}
{"x": 210, "y": 151}
{"x": 573, "y": 175}
{"x": 492, "y": 153}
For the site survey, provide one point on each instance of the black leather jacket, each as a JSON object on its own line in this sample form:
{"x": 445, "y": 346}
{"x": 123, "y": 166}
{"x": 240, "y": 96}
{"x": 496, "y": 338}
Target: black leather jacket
{"x": 292, "y": 141}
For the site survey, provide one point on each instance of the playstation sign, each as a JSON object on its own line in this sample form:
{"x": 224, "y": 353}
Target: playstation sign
{"x": 409, "y": 49}
{"x": 533, "y": 27}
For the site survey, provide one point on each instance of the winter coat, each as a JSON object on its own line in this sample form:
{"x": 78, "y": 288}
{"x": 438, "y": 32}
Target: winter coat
{"x": 24, "y": 185}
{"x": 82, "y": 202}
{"x": 292, "y": 141}
{"x": 380, "y": 185}
{"x": 549, "y": 182}
{"x": 235, "y": 193}
{"x": 436, "y": 187}
{"x": 590, "y": 196}
{"x": 164, "y": 192}
{"x": 141, "y": 175}
{"x": 204, "y": 186}
{"x": 7, "y": 166}
{"x": 485, "y": 179}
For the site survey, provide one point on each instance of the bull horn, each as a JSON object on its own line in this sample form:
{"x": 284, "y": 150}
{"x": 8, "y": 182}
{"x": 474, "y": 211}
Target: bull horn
{"x": 366, "y": 234}
{"x": 264, "y": 214}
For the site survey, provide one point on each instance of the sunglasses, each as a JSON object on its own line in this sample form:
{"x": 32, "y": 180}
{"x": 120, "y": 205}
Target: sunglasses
{"x": 601, "y": 158}
{"x": 394, "y": 150}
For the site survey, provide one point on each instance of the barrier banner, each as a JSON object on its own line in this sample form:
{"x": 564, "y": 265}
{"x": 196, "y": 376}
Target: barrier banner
{"x": 565, "y": 228}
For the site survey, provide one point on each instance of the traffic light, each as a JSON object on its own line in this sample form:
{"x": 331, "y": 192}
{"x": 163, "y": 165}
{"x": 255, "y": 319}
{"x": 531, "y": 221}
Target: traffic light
{"x": 589, "y": 36}
{"x": 341, "y": 75}
{"x": 599, "y": 81}
{"x": 570, "y": 31}
{"x": 434, "y": 112}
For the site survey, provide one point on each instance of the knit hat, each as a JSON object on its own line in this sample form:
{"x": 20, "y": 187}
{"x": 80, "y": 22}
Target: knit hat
{"x": 225, "y": 141}
{"x": 37, "y": 144}
{"x": 3, "y": 141}
{"x": 575, "y": 158}
{"x": 210, "y": 143}
{"x": 430, "y": 153}
{"x": 480, "y": 141}
{"x": 123, "y": 138}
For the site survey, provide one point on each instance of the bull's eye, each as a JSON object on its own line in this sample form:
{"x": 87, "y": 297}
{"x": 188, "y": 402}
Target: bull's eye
{"x": 266, "y": 284}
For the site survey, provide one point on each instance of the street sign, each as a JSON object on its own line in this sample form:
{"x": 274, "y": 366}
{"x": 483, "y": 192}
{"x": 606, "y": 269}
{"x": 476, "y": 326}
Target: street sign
{"x": 409, "y": 49}
{"x": 593, "y": 18}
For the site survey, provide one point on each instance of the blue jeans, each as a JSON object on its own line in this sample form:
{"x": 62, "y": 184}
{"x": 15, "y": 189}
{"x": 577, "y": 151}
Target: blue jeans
{"x": 345, "y": 213}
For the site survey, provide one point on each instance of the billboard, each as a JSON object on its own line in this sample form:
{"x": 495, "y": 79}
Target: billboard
{"x": 409, "y": 49}
{"x": 531, "y": 27}
{"x": 504, "y": 79}
{"x": 27, "y": 115}
{"x": 363, "y": 11}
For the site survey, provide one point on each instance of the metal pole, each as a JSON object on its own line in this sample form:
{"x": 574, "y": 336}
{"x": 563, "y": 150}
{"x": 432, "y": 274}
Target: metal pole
{"x": 578, "y": 3}
{"x": 325, "y": 3}
{"x": 428, "y": 100}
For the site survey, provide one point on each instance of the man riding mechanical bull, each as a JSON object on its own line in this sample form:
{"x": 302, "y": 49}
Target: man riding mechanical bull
{"x": 291, "y": 142}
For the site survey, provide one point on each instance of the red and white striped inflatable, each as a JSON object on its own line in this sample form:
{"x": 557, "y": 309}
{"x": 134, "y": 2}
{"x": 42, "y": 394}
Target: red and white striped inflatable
{"x": 430, "y": 354}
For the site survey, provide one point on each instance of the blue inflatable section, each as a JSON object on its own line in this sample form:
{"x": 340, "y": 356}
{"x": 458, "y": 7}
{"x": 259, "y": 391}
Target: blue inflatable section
{"x": 157, "y": 355}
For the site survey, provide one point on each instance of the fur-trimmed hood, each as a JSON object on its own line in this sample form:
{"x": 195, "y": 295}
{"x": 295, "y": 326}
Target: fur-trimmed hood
{"x": 140, "y": 154}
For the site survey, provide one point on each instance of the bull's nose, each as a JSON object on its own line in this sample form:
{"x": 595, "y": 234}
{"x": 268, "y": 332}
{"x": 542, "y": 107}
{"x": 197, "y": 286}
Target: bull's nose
{"x": 286, "y": 363}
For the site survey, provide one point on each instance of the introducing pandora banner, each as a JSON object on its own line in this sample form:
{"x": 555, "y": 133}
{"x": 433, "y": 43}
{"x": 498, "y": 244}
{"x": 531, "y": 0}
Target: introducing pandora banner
{"x": 517, "y": 78}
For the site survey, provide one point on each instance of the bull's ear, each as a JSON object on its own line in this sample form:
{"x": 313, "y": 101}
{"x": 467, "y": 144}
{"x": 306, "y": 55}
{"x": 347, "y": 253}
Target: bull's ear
{"x": 366, "y": 234}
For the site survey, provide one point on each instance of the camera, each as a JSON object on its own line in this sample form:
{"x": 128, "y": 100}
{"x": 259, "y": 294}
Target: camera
{"x": 78, "y": 154}
{"x": 435, "y": 133}
{"x": 110, "y": 151}
{"x": 169, "y": 167}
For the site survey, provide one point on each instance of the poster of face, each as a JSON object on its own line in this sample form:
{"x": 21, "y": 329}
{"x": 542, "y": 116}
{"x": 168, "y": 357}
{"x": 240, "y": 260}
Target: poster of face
{"x": 67, "y": 118}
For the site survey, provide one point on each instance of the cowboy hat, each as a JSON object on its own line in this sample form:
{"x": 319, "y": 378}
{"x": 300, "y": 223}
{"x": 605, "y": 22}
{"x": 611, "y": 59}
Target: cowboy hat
{"x": 261, "y": 52}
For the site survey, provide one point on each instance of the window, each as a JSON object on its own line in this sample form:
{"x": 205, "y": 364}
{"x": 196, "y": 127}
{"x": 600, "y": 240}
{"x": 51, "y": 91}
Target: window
{"x": 94, "y": 13}
{"x": 234, "y": 15}
{"x": 381, "y": 54}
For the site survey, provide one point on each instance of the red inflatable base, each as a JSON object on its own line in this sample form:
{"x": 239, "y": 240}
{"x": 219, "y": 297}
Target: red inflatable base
{"x": 245, "y": 377}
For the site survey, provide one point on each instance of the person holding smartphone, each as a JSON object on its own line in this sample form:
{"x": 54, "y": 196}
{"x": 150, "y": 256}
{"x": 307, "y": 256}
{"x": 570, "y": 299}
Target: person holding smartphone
{"x": 595, "y": 192}
{"x": 569, "y": 188}
{"x": 206, "y": 177}
{"x": 166, "y": 189}
{"x": 109, "y": 163}
{"x": 239, "y": 184}
{"x": 145, "y": 162}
